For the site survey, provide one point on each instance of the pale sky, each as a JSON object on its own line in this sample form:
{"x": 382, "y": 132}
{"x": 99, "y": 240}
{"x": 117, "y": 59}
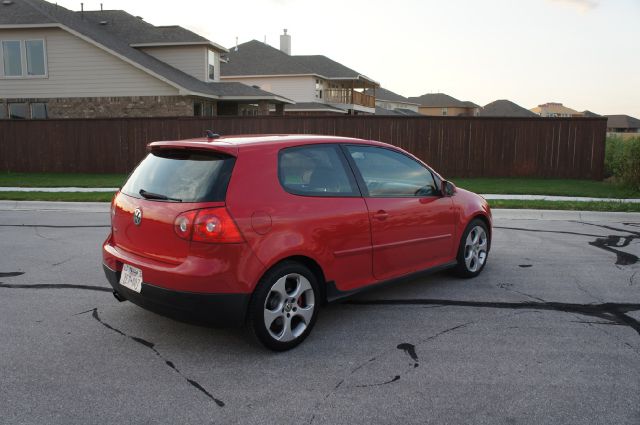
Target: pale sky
{"x": 583, "y": 53}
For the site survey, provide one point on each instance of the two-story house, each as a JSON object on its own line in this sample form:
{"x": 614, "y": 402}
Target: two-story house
{"x": 58, "y": 63}
{"x": 316, "y": 83}
{"x": 390, "y": 103}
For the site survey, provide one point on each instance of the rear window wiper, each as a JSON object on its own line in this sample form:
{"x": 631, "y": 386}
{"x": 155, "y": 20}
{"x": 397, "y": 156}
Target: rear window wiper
{"x": 151, "y": 195}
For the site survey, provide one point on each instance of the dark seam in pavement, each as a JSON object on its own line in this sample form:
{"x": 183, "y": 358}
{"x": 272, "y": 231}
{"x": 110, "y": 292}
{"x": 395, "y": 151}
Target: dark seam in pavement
{"x": 603, "y": 226}
{"x": 84, "y": 312}
{"x": 52, "y": 226}
{"x": 62, "y": 262}
{"x": 614, "y": 312}
{"x": 56, "y": 286}
{"x": 606, "y": 243}
{"x": 151, "y": 346}
{"x": 395, "y": 378}
{"x": 547, "y": 231}
{"x": 410, "y": 349}
{"x": 11, "y": 274}
{"x": 507, "y": 287}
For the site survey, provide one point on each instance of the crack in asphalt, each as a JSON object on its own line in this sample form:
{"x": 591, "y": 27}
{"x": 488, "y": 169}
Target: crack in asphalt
{"x": 56, "y": 286}
{"x": 152, "y": 347}
{"x": 612, "y": 312}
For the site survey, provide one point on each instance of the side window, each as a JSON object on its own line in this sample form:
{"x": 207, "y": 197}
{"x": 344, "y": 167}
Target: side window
{"x": 387, "y": 173}
{"x": 316, "y": 170}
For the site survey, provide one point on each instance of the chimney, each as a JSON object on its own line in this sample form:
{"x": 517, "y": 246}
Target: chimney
{"x": 285, "y": 43}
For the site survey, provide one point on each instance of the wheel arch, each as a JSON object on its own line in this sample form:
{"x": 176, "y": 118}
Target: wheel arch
{"x": 480, "y": 216}
{"x": 309, "y": 263}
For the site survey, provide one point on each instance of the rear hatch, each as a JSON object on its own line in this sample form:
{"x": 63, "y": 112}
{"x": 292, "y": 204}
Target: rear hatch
{"x": 168, "y": 182}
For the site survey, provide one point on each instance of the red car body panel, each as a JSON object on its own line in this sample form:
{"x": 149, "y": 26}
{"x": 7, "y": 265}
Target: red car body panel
{"x": 354, "y": 241}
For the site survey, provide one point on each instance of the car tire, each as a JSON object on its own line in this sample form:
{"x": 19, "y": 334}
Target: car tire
{"x": 473, "y": 250}
{"x": 284, "y": 306}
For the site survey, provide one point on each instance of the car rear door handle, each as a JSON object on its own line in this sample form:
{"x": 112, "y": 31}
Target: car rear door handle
{"x": 381, "y": 215}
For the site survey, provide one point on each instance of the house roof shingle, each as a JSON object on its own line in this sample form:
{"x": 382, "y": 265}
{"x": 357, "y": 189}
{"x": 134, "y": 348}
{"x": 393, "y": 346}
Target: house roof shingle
{"x": 505, "y": 108}
{"x": 388, "y": 95}
{"x": 590, "y": 114}
{"x": 135, "y": 30}
{"x": 34, "y": 12}
{"x": 256, "y": 58}
{"x": 441, "y": 100}
{"x": 313, "y": 107}
{"x": 622, "y": 121}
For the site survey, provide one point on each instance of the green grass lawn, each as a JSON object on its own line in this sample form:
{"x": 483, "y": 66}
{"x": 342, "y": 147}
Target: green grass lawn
{"x": 57, "y": 196}
{"x": 61, "y": 180}
{"x": 520, "y": 186}
{"x": 564, "y": 205}
{"x": 558, "y": 187}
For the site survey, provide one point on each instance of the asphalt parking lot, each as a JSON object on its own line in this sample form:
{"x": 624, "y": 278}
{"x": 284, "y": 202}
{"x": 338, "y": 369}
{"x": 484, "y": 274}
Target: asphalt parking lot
{"x": 548, "y": 333}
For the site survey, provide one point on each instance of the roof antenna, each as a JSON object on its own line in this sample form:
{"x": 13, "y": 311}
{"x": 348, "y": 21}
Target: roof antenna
{"x": 211, "y": 135}
{"x": 82, "y": 9}
{"x": 101, "y": 7}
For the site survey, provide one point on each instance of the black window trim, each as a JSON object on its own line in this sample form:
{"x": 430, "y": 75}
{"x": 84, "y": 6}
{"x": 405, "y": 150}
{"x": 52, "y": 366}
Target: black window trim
{"x": 363, "y": 186}
{"x": 355, "y": 193}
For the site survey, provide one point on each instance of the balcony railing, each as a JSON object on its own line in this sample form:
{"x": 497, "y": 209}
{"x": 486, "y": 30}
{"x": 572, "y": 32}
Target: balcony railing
{"x": 350, "y": 97}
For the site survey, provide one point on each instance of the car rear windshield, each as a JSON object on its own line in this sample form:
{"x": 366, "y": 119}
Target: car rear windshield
{"x": 181, "y": 176}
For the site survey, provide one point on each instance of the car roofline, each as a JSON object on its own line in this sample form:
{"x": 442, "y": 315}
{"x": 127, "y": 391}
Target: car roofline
{"x": 232, "y": 144}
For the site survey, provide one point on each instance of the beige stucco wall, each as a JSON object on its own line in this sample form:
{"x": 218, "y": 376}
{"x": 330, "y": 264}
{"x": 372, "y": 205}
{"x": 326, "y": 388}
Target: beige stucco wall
{"x": 298, "y": 89}
{"x": 77, "y": 68}
{"x": 189, "y": 59}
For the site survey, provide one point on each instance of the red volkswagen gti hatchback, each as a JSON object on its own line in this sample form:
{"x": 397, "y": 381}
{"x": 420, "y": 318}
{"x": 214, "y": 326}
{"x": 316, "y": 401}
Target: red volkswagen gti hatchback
{"x": 265, "y": 229}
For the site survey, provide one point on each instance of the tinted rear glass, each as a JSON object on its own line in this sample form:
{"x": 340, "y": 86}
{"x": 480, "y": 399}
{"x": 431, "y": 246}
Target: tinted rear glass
{"x": 188, "y": 176}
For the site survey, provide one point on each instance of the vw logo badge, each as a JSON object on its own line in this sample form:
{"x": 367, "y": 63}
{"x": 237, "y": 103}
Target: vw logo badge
{"x": 137, "y": 216}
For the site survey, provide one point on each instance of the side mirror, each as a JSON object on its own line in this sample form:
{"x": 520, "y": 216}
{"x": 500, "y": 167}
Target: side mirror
{"x": 448, "y": 188}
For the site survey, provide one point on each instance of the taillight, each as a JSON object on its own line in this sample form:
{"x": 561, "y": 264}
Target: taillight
{"x": 213, "y": 225}
{"x": 183, "y": 224}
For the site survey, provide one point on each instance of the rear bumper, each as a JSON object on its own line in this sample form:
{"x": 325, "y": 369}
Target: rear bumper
{"x": 222, "y": 310}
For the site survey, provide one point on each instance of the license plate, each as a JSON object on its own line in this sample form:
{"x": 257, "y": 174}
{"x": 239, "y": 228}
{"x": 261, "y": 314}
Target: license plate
{"x": 131, "y": 278}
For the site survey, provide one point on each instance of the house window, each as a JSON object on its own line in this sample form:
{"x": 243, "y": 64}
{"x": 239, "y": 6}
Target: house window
{"x": 208, "y": 109}
{"x": 445, "y": 111}
{"x": 318, "y": 89}
{"x": 39, "y": 111}
{"x": 3, "y": 111}
{"x": 211, "y": 65}
{"x": 197, "y": 109}
{"x": 35, "y": 57}
{"x": 18, "y": 111}
{"x": 23, "y": 58}
{"x": 12, "y": 58}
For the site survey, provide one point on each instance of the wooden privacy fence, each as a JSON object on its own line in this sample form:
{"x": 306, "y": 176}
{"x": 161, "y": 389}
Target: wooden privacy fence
{"x": 454, "y": 146}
